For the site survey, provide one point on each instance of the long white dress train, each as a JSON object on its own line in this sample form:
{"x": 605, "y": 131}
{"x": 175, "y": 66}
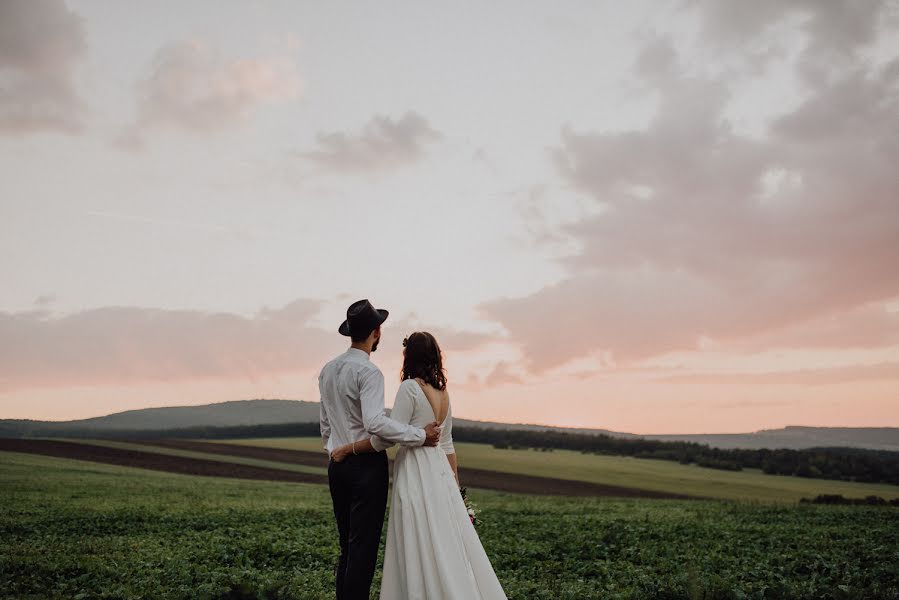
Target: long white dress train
{"x": 433, "y": 551}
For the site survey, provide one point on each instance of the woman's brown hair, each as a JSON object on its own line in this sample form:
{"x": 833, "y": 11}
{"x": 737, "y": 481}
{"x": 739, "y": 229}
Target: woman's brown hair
{"x": 422, "y": 359}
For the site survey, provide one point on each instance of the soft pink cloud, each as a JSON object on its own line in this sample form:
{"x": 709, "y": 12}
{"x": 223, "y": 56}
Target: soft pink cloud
{"x": 135, "y": 345}
{"x": 502, "y": 373}
{"x": 809, "y": 377}
{"x": 866, "y": 326}
{"x": 117, "y": 345}
{"x": 630, "y": 402}
{"x": 192, "y": 87}
{"x": 707, "y": 233}
{"x": 447, "y": 338}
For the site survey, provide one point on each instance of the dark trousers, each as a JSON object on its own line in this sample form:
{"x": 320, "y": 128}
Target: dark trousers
{"x": 359, "y": 493}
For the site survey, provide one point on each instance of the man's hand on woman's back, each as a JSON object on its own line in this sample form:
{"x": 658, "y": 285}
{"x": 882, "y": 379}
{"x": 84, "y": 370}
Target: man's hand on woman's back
{"x": 432, "y": 434}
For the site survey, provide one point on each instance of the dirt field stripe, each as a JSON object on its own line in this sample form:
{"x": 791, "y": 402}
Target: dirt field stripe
{"x": 156, "y": 462}
{"x": 476, "y": 478}
{"x": 300, "y": 457}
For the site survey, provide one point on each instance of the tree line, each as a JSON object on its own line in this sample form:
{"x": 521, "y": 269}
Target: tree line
{"x": 848, "y": 464}
{"x": 194, "y": 432}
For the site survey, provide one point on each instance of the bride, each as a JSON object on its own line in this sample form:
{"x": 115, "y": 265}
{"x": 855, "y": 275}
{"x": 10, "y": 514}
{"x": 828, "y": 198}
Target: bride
{"x": 433, "y": 551}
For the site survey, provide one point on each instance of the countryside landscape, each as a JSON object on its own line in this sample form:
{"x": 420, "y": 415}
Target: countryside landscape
{"x": 641, "y": 258}
{"x": 114, "y": 508}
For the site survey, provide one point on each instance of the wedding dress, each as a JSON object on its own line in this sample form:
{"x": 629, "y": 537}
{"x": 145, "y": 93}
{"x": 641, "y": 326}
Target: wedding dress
{"x": 433, "y": 551}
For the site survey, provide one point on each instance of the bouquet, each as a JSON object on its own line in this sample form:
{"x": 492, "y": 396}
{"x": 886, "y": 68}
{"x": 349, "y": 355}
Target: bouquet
{"x": 470, "y": 507}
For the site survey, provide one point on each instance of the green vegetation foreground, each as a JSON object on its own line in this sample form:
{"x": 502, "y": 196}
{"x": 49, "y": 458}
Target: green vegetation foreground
{"x": 74, "y": 529}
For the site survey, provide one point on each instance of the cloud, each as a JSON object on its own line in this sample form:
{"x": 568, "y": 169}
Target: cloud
{"x": 41, "y": 43}
{"x": 503, "y": 374}
{"x": 118, "y": 345}
{"x": 192, "y": 87}
{"x": 658, "y": 58}
{"x": 128, "y": 345}
{"x": 447, "y": 337}
{"x": 834, "y": 30}
{"x": 704, "y": 232}
{"x": 827, "y": 376}
{"x": 486, "y": 377}
{"x": 866, "y": 326}
{"x": 383, "y": 144}
{"x": 834, "y": 26}
{"x": 45, "y": 299}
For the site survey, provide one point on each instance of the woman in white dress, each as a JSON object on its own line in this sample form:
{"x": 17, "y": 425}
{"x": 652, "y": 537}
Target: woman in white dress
{"x": 433, "y": 551}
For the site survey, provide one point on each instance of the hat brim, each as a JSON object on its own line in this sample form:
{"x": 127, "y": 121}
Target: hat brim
{"x": 344, "y": 328}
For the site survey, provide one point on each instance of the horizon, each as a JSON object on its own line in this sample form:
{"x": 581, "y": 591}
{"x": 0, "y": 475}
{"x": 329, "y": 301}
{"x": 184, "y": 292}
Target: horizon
{"x": 481, "y": 421}
{"x": 641, "y": 218}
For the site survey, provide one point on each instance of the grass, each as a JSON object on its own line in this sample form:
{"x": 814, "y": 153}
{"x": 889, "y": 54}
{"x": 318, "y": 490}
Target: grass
{"x": 75, "y": 529}
{"x": 648, "y": 474}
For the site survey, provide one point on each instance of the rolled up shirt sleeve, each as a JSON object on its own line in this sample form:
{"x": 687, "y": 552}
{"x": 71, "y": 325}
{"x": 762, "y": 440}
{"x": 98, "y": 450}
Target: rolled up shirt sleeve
{"x": 376, "y": 421}
{"x": 380, "y": 445}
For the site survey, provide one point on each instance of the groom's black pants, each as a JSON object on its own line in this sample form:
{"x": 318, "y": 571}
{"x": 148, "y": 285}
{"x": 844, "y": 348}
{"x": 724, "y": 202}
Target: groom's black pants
{"x": 359, "y": 493}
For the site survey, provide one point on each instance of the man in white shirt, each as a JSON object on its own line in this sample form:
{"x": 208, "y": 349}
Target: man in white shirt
{"x": 352, "y": 409}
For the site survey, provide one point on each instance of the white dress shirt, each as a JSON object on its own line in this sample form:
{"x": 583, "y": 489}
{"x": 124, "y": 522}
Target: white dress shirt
{"x": 352, "y": 405}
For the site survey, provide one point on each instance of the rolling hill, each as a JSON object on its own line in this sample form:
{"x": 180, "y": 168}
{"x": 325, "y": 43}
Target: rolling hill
{"x": 263, "y": 412}
{"x": 220, "y": 414}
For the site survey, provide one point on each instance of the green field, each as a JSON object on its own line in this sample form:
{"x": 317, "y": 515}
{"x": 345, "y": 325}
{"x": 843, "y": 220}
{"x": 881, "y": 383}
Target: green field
{"x": 659, "y": 475}
{"x": 74, "y": 529}
{"x": 240, "y": 460}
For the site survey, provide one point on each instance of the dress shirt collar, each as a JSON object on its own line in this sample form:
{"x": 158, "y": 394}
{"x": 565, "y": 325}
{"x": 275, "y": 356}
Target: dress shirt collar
{"x": 358, "y": 352}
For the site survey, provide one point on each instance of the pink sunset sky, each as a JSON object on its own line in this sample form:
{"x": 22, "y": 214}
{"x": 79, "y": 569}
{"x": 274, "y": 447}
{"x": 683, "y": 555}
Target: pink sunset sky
{"x": 655, "y": 217}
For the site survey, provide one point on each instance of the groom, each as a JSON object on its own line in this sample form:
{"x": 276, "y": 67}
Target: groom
{"x": 352, "y": 409}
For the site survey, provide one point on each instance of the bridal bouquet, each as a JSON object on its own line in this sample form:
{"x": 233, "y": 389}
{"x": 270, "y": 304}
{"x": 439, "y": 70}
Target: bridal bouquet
{"x": 470, "y": 507}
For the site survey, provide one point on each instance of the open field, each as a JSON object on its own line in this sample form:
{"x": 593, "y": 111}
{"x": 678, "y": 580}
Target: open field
{"x": 74, "y": 529}
{"x": 134, "y": 457}
{"x": 559, "y": 472}
{"x": 270, "y": 458}
{"x": 275, "y": 464}
{"x": 627, "y": 472}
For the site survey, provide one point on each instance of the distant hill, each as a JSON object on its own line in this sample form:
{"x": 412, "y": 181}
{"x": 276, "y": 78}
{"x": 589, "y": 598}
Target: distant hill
{"x": 797, "y": 437}
{"x": 220, "y": 414}
{"x": 264, "y": 412}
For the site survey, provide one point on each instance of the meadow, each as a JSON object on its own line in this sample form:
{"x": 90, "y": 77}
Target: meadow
{"x": 626, "y": 471}
{"x": 75, "y": 529}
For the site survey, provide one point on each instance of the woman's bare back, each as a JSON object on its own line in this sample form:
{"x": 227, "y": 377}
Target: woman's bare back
{"x": 438, "y": 399}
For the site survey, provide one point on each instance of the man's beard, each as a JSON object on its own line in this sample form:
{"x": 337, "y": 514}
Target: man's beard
{"x": 375, "y": 345}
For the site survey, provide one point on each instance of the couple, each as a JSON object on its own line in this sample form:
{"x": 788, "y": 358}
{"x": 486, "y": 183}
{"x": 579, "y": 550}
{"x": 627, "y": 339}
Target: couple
{"x": 433, "y": 551}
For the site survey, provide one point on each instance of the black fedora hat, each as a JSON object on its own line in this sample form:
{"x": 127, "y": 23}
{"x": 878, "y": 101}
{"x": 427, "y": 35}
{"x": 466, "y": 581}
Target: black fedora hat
{"x": 362, "y": 318}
